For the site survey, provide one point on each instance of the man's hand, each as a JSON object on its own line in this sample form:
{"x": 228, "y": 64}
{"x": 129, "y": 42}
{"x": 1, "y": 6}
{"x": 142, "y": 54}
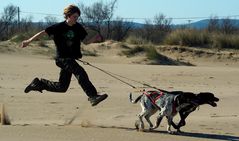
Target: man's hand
{"x": 25, "y": 43}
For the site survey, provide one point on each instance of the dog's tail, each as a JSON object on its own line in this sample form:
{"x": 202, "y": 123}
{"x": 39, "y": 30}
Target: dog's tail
{"x": 136, "y": 100}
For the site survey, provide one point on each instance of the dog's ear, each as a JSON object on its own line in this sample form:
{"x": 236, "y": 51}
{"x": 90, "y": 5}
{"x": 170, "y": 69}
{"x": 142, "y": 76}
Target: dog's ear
{"x": 207, "y": 95}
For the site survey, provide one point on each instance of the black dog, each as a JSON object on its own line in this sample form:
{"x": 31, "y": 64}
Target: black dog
{"x": 201, "y": 98}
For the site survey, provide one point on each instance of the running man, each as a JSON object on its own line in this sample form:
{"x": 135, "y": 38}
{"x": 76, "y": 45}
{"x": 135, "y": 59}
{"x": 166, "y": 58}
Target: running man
{"x": 67, "y": 36}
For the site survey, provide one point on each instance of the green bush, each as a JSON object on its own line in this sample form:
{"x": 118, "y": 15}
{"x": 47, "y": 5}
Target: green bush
{"x": 21, "y": 37}
{"x": 152, "y": 53}
{"x": 42, "y": 43}
{"x": 137, "y": 40}
{"x": 225, "y": 41}
{"x": 133, "y": 51}
{"x": 188, "y": 37}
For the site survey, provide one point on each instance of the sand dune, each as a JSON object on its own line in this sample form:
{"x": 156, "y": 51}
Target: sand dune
{"x": 69, "y": 116}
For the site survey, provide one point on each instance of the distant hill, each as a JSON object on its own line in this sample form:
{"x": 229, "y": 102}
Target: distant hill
{"x": 198, "y": 25}
{"x": 204, "y": 23}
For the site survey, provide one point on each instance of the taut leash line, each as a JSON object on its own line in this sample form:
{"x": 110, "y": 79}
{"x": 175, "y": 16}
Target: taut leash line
{"x": 114, "y": 76}
{"x": 106, "y": 72}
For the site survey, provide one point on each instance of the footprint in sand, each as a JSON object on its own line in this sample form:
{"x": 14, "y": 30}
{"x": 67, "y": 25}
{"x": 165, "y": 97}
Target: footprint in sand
{"x": 203, "y": 125}
{"x": 118, "y": 116}
{"x": 86, "y": 123}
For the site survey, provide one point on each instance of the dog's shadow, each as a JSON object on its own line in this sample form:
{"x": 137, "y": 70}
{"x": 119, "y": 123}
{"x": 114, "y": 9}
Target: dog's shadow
{"x": 186, "y": 134}
{"x": 201, "y": 135}
{"x": 211, "y": 136}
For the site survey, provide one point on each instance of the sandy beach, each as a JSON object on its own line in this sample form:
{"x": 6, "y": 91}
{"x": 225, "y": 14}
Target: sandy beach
{"x": 69, "y": 116}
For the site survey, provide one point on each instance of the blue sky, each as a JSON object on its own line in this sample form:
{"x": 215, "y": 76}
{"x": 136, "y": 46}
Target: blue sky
{"x": 134, "y": 8}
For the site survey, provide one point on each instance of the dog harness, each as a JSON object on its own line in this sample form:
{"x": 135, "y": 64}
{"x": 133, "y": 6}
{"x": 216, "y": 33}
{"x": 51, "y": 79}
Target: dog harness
{"x": 155, "y": 95}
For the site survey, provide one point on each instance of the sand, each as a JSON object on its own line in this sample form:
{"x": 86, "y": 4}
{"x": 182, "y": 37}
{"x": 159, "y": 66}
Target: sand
{"x": 68, "y": 116}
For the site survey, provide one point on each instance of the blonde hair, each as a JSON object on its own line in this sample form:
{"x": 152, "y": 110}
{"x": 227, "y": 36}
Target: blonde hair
{"x": 71, "y": 9}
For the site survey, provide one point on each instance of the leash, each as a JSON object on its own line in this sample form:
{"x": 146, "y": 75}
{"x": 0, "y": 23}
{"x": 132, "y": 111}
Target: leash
{"x": 107, "y": 72}
{"x": 116, "y": 76}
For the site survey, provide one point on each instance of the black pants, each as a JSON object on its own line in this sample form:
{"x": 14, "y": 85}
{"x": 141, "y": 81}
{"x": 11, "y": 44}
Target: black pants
{"x": 68, "y": 67}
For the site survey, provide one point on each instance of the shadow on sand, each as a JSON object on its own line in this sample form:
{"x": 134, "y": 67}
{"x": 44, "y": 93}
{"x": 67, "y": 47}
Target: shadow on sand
{"x": 186, "y": 134}
{"x": 203, "y": 135}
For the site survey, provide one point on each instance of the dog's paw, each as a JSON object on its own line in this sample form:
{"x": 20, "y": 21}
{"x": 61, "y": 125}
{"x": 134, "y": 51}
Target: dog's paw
{"x": 141, "y": 130}
{"x": 170, "y": 132}
{"x": 154, "y": 127}
{"x": 151, "y": 129}
{"x": 179, "y": 131}
{"x": 137, "y": 124}
{"x": 173, "y": 132}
